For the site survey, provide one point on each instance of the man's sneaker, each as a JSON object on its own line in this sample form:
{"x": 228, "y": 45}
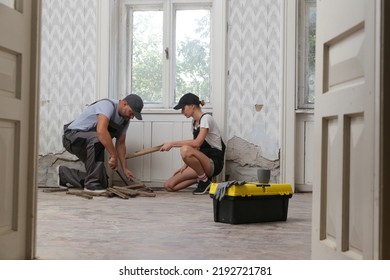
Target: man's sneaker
{"x": 60, "y": 180}
{"x": 202, "y": 188}
{"x": 95, "y": 189}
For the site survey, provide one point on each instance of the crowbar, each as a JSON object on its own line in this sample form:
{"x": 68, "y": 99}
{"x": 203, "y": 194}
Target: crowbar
{"x": 133, "y": 179}
{"x": 123, "y": 179}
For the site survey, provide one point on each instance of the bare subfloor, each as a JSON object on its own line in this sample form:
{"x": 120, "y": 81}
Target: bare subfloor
{"x": 169, "y": 226}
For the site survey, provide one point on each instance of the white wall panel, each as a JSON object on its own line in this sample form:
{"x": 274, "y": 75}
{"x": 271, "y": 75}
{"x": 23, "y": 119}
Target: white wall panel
{"x": 155, "y": 130}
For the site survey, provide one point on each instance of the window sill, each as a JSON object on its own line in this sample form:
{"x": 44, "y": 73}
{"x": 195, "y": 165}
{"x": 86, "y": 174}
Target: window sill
{"x": 304, "y": 111}
{"x": 159, "y": 111}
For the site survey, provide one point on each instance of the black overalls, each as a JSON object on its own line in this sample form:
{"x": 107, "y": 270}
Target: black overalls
{"x": 216, "y": 155}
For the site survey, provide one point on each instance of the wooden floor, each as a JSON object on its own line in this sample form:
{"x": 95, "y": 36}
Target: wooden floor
{"x": 170, "y": 226}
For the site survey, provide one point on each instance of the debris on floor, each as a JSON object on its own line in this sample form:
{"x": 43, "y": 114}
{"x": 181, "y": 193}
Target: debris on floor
{"x": 124, "y": 192}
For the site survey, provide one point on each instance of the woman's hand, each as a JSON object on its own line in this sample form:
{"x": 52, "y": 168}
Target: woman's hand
{"x": 166, "y": 147}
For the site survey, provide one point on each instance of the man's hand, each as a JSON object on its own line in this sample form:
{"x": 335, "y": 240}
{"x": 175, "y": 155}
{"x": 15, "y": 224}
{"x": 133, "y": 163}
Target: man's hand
{"x": 129, "y": 175}
{"x": 113, "y": 163}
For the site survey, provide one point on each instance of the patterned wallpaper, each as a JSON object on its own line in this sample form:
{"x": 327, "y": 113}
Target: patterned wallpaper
{"x": 254, "y": 61}
{"x": 68, "y": 66}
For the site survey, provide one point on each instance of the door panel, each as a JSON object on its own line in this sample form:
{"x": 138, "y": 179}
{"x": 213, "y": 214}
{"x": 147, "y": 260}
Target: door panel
{"x": 17, "y": 128}
{"x": 343, "y": 190}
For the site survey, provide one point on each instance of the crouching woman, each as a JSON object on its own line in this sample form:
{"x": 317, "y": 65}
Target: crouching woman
{"x": 203, "y": 156}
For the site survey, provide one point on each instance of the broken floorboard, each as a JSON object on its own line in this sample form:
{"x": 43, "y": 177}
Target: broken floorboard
{"x": 121, "y": 192}
{"x": 124, "y": 192}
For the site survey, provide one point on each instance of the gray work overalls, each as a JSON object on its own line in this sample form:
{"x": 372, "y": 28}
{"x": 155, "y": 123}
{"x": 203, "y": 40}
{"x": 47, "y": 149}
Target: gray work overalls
{"x": 87, "y": 147}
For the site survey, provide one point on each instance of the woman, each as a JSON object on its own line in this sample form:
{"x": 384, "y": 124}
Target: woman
{"x": 203, "y": 155}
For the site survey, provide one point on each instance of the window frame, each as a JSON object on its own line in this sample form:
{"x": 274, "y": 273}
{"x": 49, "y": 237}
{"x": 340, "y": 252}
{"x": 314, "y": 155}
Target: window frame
{"x": 181, "y": 7}
{"x": 169, "y": 7}
{"x": 302, "y": 54}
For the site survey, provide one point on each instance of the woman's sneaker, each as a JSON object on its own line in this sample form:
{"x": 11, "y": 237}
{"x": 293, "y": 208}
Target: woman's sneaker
{"x": 202, "y": 188}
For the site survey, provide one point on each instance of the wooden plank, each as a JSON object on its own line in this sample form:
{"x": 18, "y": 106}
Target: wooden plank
{"x": 144, "y": 152}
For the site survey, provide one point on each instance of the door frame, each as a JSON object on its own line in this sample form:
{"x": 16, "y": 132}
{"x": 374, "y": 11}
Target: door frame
{"x": 288, "y": 117}
{"x": 384, "y": 149}
{"x": 34, "y": 134}
{"x": 24, "y": 188}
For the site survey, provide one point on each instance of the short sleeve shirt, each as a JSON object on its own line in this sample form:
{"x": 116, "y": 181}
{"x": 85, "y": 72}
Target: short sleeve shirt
{"x": 87, "y": 121}
{"x": 213, "y": 136}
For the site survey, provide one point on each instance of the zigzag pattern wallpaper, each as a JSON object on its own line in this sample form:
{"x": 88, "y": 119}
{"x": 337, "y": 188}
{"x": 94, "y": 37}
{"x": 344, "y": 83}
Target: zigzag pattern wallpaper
{"x": 254, "y": 61}
{"x": 68, "y": 66}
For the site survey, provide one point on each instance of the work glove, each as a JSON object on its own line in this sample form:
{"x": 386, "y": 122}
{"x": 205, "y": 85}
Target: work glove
{"x": 221, "y": 188}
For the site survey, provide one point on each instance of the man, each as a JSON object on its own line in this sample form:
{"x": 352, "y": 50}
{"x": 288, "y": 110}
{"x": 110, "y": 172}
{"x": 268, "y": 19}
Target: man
{"x": 91, "y": 134}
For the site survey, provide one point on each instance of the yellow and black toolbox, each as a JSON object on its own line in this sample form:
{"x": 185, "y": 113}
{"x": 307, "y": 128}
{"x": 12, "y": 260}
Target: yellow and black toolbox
{"x": 250, "y": 202}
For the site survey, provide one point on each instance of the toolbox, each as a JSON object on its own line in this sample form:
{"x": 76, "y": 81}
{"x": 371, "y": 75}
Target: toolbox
{"x": 251, "y": 203}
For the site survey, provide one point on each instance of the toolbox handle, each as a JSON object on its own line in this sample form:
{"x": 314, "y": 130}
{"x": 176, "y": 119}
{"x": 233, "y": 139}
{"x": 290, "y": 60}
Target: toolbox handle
{"x": 263, "y": 185}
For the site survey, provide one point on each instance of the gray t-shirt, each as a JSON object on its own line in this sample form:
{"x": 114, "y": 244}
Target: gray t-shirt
{"x": 87, "y": 121}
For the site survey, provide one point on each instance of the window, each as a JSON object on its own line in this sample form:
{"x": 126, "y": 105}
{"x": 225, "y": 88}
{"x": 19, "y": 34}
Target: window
{"x": 9, "y": 3}
{"x": 192, "y": 53}
{"x": 166, "y": 45}
{"x": 306, "y": 54}
{"x": 145, "y": 60}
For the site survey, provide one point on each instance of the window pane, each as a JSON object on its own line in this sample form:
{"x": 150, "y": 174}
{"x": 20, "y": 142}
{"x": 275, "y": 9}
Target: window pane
{"x": 306, "y": 54}
{"x": 192, "y": 53}
{"x": 310, "y": 65}
{"x": 146, "y": 58}
{"x": 9, "y": 3}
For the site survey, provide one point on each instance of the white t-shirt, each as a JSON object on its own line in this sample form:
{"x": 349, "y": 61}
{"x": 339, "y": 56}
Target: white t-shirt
{"x": 213, "y": 136}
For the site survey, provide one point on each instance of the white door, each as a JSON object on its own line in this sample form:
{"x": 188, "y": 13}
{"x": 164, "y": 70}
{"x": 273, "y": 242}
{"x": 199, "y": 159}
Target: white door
{"x": 344, "y": 191}
{"x": 18, "y": 127}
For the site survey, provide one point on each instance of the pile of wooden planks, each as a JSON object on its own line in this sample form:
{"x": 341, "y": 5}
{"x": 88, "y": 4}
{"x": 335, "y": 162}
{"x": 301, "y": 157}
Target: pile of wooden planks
{"x": 125, "y": 192}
